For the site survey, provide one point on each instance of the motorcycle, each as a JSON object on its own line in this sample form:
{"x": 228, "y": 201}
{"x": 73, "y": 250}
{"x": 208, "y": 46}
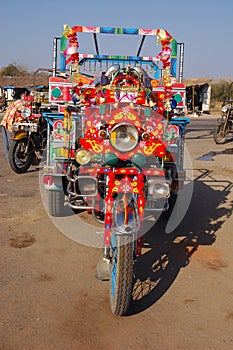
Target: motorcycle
{"x": 224, "y": 125}
{"x": 115, "y": 150}
{"x": 128, "y": 160}
{"x": 28, "y": 141}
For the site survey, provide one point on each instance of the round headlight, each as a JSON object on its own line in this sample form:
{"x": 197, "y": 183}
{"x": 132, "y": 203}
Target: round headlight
{"x": 224, "y": 109}
{"x": 124, "y": 137}
{"x": 158, "y": 188}
{"x": 26, "y": 112}
{"x": 82, "y": 156}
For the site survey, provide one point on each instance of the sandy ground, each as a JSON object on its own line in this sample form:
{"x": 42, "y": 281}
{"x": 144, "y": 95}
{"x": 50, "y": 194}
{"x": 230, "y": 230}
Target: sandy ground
{"x": 183, "y": 292}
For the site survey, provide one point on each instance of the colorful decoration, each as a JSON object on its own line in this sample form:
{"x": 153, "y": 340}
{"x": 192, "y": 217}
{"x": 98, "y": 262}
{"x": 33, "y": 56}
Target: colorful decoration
{"x": 153, "y": 143}
{"x": 122, "y": 124}
{"x": 163, "y": 38}
{"x": 124, "y": 87}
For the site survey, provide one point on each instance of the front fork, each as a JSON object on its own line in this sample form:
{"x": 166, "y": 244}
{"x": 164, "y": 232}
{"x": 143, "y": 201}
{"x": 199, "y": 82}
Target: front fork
{"x": 225, "y": 122}
{"x": 30, "y": 139}
{"x": 23, "y": 135}
{"x": 108, "y": 223}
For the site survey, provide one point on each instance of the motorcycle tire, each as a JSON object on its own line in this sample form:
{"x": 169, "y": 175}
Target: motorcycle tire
{"x": 219, "y": 137}
{"x": 121, "y": 270}
{"x": 56, "y": 203}
{"x": 18, "y": 160}
{"x": 121, "y": 273}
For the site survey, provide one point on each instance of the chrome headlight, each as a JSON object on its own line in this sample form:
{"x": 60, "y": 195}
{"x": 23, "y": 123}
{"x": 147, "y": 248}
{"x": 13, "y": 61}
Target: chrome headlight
{"x": 82, "y": 156}
{"x": 26, "y": 112}
{"x": 224, "y": 109}
{"x": 158, "y": 188}
{"x": 124, "y": 137}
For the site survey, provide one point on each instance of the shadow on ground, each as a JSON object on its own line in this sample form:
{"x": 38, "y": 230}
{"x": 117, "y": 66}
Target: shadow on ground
{"x": 165, "y": 254}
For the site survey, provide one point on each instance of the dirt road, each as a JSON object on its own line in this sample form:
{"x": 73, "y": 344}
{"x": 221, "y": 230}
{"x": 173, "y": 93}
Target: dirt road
{"x": 183, "y": 294}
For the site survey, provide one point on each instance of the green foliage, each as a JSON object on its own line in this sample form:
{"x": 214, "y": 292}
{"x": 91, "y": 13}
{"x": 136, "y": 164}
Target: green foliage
{"x": 221, "y": 90}
{"x": 13, "y": 70}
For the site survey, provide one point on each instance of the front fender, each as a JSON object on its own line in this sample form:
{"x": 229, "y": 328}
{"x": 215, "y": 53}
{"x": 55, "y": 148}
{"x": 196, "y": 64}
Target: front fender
{"x": 19, "y": 136}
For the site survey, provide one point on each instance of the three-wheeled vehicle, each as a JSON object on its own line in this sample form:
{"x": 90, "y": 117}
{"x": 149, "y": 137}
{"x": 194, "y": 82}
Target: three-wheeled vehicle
{"x": 115, "y": 147}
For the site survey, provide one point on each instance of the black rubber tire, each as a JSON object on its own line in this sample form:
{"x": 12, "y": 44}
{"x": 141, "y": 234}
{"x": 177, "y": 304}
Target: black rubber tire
{"x": 218, "y": 137}
{"x": 56, "y": 203}
{"x": 14, "y": 156}
{"x": 121, "y": 274}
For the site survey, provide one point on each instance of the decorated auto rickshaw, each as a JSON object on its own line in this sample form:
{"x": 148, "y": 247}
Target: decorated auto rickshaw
{"x": 115, "y": 146}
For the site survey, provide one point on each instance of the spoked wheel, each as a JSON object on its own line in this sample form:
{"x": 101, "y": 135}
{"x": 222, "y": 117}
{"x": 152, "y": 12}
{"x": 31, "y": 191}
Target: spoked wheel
{"x": 220, "y": 135}
{"x": 20, "y": 158}
{"x": 121, "y": 267}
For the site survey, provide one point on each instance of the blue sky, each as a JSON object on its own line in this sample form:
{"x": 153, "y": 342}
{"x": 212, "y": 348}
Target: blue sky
{"x": 204, "y": 26}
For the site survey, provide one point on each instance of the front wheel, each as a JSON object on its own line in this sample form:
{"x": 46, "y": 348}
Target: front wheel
{"x": 125, "y": 223}
{"x": 20, "y": 156}
{"x": 220, "y": 135}
{"x": 121, "y": 273}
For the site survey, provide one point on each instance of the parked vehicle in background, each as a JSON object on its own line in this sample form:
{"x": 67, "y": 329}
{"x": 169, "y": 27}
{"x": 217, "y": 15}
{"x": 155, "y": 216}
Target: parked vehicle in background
{"x": 25, "y": 134}
{"x": 224, "y": 125}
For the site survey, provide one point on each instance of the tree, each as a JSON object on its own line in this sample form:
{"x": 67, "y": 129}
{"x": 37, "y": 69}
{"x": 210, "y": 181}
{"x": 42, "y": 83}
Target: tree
{"x": 222, "y": 90}
{"x": 13, "y": 69}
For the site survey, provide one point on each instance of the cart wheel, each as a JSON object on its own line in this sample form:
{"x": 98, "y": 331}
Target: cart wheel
{"x": 56, "y": 203}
